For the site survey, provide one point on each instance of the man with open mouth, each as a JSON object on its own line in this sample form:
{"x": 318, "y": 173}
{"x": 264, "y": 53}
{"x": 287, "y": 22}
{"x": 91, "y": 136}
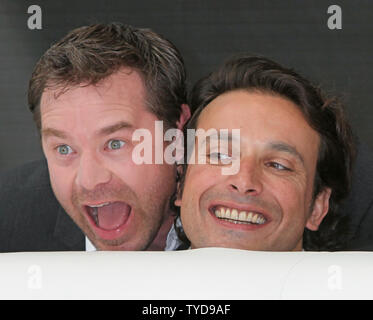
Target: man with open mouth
{"x": 295, "y": 157}
{"x": 88, "y": 93}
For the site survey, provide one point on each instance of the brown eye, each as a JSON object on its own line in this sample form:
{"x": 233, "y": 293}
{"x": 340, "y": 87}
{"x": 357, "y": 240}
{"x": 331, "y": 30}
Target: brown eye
{"x": 219, "y": 158}
{"x": 278, "y": 166}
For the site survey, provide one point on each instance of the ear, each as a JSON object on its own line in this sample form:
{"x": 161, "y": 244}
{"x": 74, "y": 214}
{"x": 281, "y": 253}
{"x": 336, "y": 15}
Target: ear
{"x": 178, "y": 186}
{"x": 320, "y": 209}
{"x": 184, "y": 116}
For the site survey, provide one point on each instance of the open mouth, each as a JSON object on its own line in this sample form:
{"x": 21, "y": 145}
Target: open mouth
{"x": 238, "y": 216}
{"x": 108, "y": 216}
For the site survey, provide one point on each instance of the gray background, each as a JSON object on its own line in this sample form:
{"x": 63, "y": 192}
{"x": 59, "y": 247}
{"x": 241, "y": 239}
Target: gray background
{"x": 294, "y": 33}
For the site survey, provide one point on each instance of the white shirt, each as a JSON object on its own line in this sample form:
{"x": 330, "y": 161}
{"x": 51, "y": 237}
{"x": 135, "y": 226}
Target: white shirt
{"x": 89, "y": 246}
{"x": 173, "y": 241}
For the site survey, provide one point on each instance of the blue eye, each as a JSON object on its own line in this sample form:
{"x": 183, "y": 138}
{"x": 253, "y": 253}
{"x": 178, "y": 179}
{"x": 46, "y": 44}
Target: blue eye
{"x": 64, "y": 149}
{"x": 115, "y": 144}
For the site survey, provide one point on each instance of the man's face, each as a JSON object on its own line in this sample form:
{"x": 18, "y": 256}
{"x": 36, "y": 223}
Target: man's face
{"x": 87, "y": 140}
{"x": 268, "y": 203}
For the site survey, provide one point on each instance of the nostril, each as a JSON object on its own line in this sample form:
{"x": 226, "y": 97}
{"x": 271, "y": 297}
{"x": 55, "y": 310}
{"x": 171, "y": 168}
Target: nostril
{"x": 242, "y": 190}
{"x": 250, "y": 191}
{"x": 234, "y": 187}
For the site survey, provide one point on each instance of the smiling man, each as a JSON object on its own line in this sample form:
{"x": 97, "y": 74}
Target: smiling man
{"x": 88, "y": 93}
{"x": 295, "y": 159}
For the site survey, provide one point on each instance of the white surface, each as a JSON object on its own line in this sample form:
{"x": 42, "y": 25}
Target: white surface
{"x": 213, "y": 273}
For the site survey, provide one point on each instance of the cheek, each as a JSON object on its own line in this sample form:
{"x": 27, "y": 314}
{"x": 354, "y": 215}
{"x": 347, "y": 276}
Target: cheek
{"x": 159, "y": 180}
{"x": 147, "y": 179}
{"x": 198, "y": 179}
{"x": 293, "y": 198}
{"x": 61, "y": 181}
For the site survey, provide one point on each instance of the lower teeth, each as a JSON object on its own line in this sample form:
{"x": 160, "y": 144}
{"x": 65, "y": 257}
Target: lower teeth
{"x": 237, "y": 221}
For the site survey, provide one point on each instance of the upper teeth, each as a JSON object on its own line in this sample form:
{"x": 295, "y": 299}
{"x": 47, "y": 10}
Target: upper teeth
{"x": 100, "y": 205}
{"x": 239, "y": 216}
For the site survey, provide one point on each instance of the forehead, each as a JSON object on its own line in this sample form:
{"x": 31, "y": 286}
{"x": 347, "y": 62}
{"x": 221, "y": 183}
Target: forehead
{"x": 262, "y": 118}
{"x": 122, "y": 91}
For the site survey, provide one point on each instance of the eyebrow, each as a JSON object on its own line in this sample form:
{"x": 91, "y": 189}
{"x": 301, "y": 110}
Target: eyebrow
{"x": 114, "y": 127}
{"x": 220, "y": 137}
{"x": 284, "y": 147}
{"x": 51, "y": 132}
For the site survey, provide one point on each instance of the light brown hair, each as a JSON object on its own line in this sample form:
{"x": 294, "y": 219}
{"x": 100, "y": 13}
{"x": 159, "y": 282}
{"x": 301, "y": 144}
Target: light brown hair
{"x": 89, "y": 54}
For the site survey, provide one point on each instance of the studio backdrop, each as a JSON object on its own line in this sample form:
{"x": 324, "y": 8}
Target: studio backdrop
{"x": 329, "y": 42}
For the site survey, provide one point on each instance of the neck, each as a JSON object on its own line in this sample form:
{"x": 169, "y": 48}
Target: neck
{"x": 159, "y": 243}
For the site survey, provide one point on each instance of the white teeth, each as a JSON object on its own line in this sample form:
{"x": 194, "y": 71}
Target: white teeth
{"x": 242, "y": 216}
{"x": 218, "y": 213}
{"x": 261, "y": 220}
{"x": 222, "y": 210}
{"x": 253, "y": 220}
{"x": 227, "y": 213}
{"x": 233, "y": 215}
{"x": 100, "y": 205}
{"x": 249, "y": 216}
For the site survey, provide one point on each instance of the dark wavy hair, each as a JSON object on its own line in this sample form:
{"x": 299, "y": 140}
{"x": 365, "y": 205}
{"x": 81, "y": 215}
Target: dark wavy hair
{"x": 89, "y": 54}
{"x": 324, "y": 114}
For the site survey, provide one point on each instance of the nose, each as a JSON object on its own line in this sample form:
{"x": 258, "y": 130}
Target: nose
{"x": 248, "y": 180}
{"x": 91, "y": 172}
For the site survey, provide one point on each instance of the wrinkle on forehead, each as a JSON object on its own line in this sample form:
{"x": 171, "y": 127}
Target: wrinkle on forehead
{"x": 112, "y": 86}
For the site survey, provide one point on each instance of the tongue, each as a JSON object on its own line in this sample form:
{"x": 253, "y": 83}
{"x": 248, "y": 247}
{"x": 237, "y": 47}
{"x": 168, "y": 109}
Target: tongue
{"x": 112, "y": 216}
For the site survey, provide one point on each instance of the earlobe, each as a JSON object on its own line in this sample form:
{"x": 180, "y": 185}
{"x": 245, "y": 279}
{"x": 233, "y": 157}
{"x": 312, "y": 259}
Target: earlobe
{"x": 184, "y": 116}
{"x": 178, "y": 202}
{"x": 320, "y": 209}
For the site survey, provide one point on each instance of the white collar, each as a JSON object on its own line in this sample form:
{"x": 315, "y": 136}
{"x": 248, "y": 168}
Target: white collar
{"x": 89, "y": 246}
